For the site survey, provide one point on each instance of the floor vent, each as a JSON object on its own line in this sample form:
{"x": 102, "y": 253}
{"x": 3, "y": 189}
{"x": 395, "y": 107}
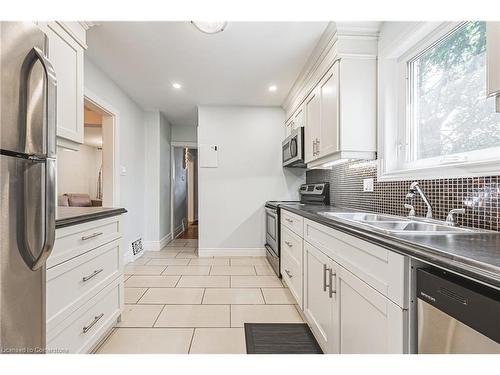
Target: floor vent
{"x": 137, "y": 246}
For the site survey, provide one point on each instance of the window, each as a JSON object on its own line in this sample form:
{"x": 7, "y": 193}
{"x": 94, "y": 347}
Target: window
{"x": 447, "y": 121}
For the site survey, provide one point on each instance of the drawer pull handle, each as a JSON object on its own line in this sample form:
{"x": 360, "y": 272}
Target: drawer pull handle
{"x": 289, "y": 220}
{"x": 288, "y": 244}
{"x": 90, "y": 236}
{"x": 96, "y": 319}
{"x": 93, "y": 274}
{"x": 289, "y": 274}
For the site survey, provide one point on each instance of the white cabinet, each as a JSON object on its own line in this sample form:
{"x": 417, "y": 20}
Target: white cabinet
{"x": 368, "y": 322}
{"x": 319, "y": 301}
{"x": 340, "y": 114}
{"x": 291, "y": 262}
{"x": 312, "y": 107}
{"x": 295, "y": 121}
{"x": 493, "y": 60}
{"x": 353, "y": 293}
{"x": 84, "y": 285}
{"x": 66, "y": 55}
{"x": 328, "y": 141}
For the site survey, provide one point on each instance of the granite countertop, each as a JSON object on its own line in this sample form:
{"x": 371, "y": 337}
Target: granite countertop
{"x": 475, "y": 255}
{"x": 66, "y": 216}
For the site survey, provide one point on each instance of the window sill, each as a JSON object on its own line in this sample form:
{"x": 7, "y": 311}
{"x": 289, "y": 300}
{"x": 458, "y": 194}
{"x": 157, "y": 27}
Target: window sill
{"x": 452, "y": 170}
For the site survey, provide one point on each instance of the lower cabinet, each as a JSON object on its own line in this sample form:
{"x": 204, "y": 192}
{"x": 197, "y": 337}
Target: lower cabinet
{"x": 368, "y": 322}
{"x": 319, "y": 298}
{"x": 291, "y": 262}
{"x": 346, "y": 315}
{"x": 84, "y": 285}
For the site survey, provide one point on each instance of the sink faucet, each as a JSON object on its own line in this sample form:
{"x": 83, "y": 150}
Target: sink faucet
{"x": 409, "y": 204}
{"x": 415, "y": 187}
{"x": 450, "y": 219}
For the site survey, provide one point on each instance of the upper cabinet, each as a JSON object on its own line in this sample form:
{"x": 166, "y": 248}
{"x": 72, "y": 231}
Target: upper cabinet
{"x": 493, "y": 60}
{"x": 65, "y": 51}
{"x": 336, "y": 95}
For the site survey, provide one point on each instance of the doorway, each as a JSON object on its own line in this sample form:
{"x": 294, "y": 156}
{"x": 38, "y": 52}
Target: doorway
{"x": 185, "y": 191}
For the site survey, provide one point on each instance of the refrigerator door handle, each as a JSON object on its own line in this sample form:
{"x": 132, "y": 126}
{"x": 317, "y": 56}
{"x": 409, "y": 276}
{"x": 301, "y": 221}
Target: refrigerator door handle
{"x": 51, "y": 102}
{"x": 36, "y": 262}
{"x": 49, "y": 230}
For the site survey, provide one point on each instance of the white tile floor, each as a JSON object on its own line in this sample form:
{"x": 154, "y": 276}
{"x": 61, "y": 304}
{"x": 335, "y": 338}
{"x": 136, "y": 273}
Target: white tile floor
{"x": 179, "y": 303}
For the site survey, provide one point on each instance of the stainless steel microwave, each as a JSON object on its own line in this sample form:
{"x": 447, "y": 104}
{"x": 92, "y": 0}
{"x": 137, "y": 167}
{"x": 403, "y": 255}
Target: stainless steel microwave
{"x": 293, "y": 149}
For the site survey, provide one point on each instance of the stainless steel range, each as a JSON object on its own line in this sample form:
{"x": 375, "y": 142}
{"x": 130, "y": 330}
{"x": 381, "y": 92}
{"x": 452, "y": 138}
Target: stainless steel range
{"x": 309, "y": 194}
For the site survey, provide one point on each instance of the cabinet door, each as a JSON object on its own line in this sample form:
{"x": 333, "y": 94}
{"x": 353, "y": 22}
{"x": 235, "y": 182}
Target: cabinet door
{"x": 367, "y": 321}
{"x": 319, "y": 303}
{"x": 66, "y": 56}
{"x": 312, "y": 125}
{"x": 298, "y": 118}
{"x": 329, "y": 129}
{"x": 291, "y": 263}
{"x": 288, "y": 127}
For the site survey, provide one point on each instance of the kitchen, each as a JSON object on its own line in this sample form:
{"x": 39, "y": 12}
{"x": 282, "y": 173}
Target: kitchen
{"x": 346, "y": 187}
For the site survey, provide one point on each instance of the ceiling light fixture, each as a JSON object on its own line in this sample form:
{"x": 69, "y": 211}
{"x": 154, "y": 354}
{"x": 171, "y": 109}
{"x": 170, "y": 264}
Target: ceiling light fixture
{"x": 272, "y": 88}
{"x": 210, "y": 27}
{"x": 176, "y": 85}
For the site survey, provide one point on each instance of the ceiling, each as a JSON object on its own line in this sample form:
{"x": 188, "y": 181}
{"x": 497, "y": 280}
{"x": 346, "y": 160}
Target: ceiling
{"x": 234, "y": 67}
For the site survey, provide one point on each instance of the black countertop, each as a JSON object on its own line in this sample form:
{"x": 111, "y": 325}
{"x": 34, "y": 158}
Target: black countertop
{"x": 474, "y": 255}
{"x": 66, "y": 216}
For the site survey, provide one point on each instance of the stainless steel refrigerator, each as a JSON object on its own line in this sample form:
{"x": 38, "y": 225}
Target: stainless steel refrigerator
{"x": 27, "y": 184}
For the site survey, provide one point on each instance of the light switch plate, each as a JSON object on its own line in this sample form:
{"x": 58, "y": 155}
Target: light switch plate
{"x": 123, "y": 170}
{"x": 368, "y": 184}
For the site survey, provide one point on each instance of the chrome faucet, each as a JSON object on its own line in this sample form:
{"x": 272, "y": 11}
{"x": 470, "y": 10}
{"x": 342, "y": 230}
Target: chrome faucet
{"x": 415, "y": 187}
{"x": 409, "y": 203}
{"x": 450, "y": 219}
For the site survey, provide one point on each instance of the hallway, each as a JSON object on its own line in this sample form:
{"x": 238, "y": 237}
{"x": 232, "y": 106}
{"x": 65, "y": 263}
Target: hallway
{"x": 191, "y": 233}
{"x": 176, "y": 302}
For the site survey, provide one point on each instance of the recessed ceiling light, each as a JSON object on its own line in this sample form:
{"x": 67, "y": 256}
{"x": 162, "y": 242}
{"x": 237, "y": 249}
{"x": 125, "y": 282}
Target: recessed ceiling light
{"x": 176, "y": 85}
{"x": 273, "y": 88}
{"x": 210, "y": 27}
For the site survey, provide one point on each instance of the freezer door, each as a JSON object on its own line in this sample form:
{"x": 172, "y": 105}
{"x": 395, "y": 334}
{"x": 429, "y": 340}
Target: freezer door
{"x": 28, "y": 89}
{"x": 22, "y": 221}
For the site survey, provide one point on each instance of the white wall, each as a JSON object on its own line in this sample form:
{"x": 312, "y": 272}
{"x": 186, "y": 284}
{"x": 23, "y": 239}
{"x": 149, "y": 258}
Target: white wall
{"x": 165, "y": 139}
{"x": 157, "y": 181}
{"x": 249, "y": 173}
{"x": 180, "y": 190}
{"x": 184, "y": 133}
{"x": 131, "y": 146}
{"x": 77, "y": 171}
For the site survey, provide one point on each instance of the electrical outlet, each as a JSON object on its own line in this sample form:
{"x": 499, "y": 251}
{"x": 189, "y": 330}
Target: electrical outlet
{"x": 368, "y": 184}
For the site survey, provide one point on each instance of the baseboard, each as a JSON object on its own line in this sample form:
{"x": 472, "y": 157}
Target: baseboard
{"x": 179, "y": 230}
{"x": 232, "y": 252}
{"x": 157, "y": 245}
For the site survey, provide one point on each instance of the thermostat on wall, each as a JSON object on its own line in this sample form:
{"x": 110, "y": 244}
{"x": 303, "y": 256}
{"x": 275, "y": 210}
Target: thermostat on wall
{"x": 208, "y": 156}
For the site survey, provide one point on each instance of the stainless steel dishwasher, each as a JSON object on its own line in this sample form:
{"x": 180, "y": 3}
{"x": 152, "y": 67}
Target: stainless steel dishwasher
{"x": 456, "y": 315}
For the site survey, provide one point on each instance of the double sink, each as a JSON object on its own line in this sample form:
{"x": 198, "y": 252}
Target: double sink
{"x": 399, "y": 225}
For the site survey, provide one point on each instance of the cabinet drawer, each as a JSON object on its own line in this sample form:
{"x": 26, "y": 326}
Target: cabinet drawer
{"x": 291, "y": 242}
{"x": 382, "y": 269}
{"x": 86, "y": 326}
{"x": 75, "y": 240}
{"x": 293, "y": 222}
{"x": 71, "y": 284}
{"x": 291, "y": 271}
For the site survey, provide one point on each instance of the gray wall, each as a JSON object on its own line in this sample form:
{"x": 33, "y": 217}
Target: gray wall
{"x": 132, "y": 148}
{"x": 165, "y": 139}
{"x": 184, "y": 133}
{"x": 180, "y": 189}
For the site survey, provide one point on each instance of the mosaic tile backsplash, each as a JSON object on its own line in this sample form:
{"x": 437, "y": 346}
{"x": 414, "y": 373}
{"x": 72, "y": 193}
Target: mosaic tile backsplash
{"x": 480, "y": 196}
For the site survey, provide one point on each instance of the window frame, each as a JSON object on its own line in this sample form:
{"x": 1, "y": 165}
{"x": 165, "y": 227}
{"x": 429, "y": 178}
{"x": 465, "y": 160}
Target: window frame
{"x": 394, "y": 136}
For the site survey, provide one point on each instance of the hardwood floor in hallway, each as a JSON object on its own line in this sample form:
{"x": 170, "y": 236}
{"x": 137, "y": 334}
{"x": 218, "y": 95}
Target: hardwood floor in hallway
{"x": 191, "y": 233}
{"x": 177, "y": 302}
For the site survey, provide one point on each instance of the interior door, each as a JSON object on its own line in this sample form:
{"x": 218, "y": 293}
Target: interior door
{"x": 312, "y": 125}
{"x": 329, "y": 129}
{"x": 369, "y": 323}
{"x": 319, "y": 302}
